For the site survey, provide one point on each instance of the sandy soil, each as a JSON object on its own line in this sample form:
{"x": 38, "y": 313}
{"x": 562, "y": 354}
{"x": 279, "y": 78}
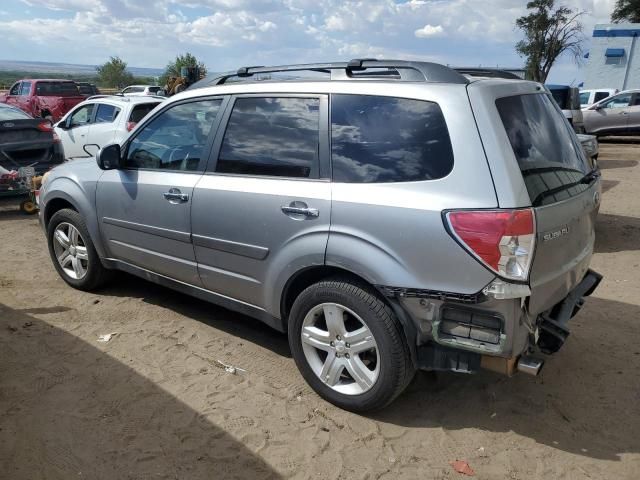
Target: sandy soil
{"x": 153, "y": 403}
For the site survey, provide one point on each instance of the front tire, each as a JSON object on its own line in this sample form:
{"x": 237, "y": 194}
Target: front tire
{"x": 72, "y": 252}
{"x": 349, "y": 345}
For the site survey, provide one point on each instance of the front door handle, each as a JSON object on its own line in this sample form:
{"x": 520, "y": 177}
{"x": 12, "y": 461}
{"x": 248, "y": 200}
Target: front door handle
{"x": 174, "y": 195}
{"x": 295, "y": 210}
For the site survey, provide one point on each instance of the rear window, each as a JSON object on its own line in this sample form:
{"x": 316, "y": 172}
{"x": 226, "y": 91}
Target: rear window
{"x": 388, "y": 139}
{"x": 140, "y": 111}
{"x": 85, "y": 89}
{"x": 561, "y": 96}
{"x": 9, "y": 113}
{"x": 57, "y": 89}
{"x": 547, "y": 151}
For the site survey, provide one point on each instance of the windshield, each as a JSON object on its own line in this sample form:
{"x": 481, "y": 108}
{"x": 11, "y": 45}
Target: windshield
{"x": 584, "y": 98}
{"x": 57, "y": 89}
{"x": 548, "y": 153}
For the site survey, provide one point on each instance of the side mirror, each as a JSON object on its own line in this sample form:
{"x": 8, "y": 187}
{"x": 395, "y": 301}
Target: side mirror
{"x": 597, "y": 107}
{"x": 63, "y": 124}
{"x": 109, "y": 157}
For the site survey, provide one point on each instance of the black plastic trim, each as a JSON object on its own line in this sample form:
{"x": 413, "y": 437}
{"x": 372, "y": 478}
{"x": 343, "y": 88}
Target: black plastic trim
{"x": 394, "y": 292}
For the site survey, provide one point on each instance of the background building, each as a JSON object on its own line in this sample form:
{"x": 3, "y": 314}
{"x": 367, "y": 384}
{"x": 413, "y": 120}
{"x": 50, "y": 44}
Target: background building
{"x": 614, "y": 57}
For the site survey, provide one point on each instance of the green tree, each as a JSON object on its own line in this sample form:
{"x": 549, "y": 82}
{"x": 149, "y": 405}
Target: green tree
{"x": 626, "y": 11}
{"x": 114, "y": 73}
{"x": 186, "y": 60}
{"x": 549, "y": 32}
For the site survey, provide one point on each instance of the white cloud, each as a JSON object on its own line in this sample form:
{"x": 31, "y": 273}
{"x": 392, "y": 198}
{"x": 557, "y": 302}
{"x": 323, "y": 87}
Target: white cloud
{"x": 429, "y": 31}
{"x": 230, "y": 33}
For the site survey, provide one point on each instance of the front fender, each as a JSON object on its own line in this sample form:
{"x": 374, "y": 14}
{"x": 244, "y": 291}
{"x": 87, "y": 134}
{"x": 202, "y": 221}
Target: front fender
{"x": 82, "y": 198}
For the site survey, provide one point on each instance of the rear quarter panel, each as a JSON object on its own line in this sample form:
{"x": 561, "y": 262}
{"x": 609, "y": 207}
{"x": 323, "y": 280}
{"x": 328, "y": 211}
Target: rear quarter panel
{"x": 393, "y": 233}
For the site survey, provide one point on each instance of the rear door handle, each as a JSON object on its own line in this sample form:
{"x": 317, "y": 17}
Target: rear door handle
{"x": 175, "y": 196}
{"x": 306, "y": 211}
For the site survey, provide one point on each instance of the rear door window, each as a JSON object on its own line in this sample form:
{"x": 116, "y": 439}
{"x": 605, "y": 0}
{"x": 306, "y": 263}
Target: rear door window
{"x": 388, "y": 139}
{"x": 274, "y": 136}
{"x": 547, "y": 151}
{"x": 600, "y": 96}
{"x": 105, "y": 113}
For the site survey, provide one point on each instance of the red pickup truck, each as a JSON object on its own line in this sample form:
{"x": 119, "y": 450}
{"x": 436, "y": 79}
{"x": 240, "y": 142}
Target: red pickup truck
{"x": 44, "y": 98}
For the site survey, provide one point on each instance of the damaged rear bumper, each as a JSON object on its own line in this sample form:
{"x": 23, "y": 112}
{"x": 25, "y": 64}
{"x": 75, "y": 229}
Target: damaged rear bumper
{"x": 553, "y": 324}
{"x": 466, "y": 336}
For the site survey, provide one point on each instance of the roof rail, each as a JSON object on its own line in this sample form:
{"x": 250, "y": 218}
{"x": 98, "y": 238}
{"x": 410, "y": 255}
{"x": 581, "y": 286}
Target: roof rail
{"x": 487, "y": 72}
{"x": 102, "y": 95}
{"x": 356, "y": 69}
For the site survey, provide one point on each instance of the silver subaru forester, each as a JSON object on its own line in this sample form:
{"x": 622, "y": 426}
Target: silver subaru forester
{"x": 389, "y": 215}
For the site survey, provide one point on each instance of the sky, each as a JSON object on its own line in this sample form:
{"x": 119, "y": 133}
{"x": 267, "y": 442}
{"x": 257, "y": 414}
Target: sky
{"x": 227, "y": 34}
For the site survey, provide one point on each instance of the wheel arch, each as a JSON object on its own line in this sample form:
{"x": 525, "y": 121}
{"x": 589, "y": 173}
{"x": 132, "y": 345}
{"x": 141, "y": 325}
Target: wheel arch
{"x": 66, "y": 194}
{"x": 306, "y": 277}
{"x": 55, "y": 205}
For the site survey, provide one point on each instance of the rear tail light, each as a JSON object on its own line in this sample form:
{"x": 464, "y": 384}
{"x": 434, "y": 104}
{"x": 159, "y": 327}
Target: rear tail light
{"x": 45, "y": 126}
{"x": 131, "y": 126}
{"x": 503, "y": 240}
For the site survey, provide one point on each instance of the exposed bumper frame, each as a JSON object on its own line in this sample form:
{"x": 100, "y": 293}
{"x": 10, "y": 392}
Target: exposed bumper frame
{"x": 553, "y": 329}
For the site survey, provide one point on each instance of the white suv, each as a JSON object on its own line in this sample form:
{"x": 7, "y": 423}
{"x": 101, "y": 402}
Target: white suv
{"x": 101, "y": 120}
{"x": 141, "y": 90}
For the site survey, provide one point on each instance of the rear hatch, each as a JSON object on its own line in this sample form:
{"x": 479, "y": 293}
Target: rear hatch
{"x": 561, "y": 189}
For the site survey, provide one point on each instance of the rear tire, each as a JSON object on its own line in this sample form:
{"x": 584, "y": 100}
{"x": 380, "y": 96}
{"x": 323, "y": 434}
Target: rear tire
{"x": 349, "y": 345}
{"x": 72, "y": 252}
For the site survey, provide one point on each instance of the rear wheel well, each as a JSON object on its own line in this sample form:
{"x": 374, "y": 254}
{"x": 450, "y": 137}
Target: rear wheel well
{"x": 54, "y": 206}
{"x": 308, "y": 277}
{"x": 300, "y": 281}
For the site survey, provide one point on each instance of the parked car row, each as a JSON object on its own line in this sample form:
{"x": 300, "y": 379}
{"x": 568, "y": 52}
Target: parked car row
{"x": 353, "y": 214}
{"x": 53, "y": 98}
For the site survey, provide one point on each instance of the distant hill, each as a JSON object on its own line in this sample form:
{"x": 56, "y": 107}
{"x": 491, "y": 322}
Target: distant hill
{"x": 69, "y": 68}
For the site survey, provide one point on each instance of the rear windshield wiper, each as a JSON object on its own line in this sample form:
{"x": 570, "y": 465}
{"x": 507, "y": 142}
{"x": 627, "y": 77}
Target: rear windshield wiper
{"x": 586, "y": 179}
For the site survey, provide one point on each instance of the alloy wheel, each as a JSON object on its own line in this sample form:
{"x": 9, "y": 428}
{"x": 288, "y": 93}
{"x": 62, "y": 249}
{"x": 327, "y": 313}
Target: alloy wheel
{"x": 340, "y": 348}
{"x": 70, "y": 250}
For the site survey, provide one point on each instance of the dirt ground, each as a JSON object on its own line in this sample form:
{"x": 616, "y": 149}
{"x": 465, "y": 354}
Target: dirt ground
{"x": 153, "y": 403}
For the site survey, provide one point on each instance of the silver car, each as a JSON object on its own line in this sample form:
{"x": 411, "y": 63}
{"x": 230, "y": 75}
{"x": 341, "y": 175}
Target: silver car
{"x": 390, "y": 216}
{"x": 616, "y": 115}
